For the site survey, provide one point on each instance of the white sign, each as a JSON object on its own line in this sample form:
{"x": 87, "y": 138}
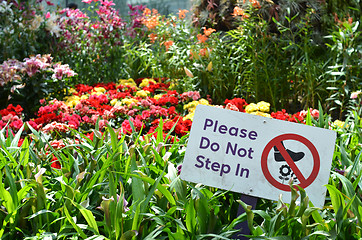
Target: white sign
{"x": 257, "y": 156}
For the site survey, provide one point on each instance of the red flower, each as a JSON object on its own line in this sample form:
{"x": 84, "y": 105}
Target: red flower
{"x": 238, "y": 102}
{"x": 55, "y": 163}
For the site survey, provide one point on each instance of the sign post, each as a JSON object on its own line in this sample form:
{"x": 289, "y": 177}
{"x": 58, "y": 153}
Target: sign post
{"x": 257, "y": 156}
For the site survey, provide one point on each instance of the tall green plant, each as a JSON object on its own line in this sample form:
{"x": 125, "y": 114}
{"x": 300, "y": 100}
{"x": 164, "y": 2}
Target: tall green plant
{"x": 345, "y": 72}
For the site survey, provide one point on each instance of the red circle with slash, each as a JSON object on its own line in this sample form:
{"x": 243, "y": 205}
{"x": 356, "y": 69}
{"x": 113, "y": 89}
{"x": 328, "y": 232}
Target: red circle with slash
{"x": 277, "y": 141}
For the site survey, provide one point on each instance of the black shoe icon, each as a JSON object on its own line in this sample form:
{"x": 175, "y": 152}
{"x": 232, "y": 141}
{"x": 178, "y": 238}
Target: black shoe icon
{"x": 296, "y": 156}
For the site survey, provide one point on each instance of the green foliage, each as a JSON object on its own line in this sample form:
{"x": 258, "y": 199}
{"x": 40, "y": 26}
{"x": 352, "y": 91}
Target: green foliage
{"x": 107, "y": 188}
{"x": 22, "y": 30}
{"x": 345, "y": 73}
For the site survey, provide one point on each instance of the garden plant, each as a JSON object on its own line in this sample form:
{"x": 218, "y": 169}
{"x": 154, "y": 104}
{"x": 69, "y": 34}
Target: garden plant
{"x": 96, "y": 110}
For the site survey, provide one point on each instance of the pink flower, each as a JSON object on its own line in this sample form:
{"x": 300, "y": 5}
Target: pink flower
{"x": 33, "y": 124}
{"x": 231, "y": 106}
{"x": 354, "y": 95}
{"x": 102, "y": 123}
{"x": 95, "y": 26}
{"x": 17, "y": 124}
{"x": 314, "y": 113}
{"x": 108, "y": 114}
{"x": 57, "y": 144}
{"x": 87, "y": 1}
{"x": 126, "y": 127}
{"x": 86, "y": 119}
{"x": 32, "y": 65}
{"x": 107, "y": 3}
{"x": 47, "y": 15}
{"x": 62, "y": 70}
{"x": 194, "y": 95}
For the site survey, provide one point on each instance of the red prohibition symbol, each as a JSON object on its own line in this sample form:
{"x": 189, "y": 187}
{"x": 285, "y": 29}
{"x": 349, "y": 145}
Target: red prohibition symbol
{"x": 277, "y": 141}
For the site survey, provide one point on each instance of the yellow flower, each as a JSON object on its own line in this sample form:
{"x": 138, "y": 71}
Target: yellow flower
{"x": 145, "y": 82}
{"x": 158, "y": 96}
{"x": 142, "y": 93}
{"x": 72, "y": 101}
{"x": 113, "y": 101}
{"x": 129, "y": 101}
{"x": 71, "y": 90}
{"x": 263, "y": 114}
{"x": 85, "y": 96}
{"x": 172, "y": 85}
{"x": 263, "y": 106}
{"x": 189, "y": 116}
{"x": 96, "y": 93}
{"x": 252, "y": 107}
{"x": 100, "y": 89}
{"x": 339, "y": 123}
{"x": 127, "y": 82}
{"x": 191, "y": 106}
{"x": 203, "y": 101}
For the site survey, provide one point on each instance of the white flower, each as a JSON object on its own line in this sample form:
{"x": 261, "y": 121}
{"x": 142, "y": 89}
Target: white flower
{"x": 35, "y": 24}
{"x": 53, "y": 28}
{"x": 52, "y": 24}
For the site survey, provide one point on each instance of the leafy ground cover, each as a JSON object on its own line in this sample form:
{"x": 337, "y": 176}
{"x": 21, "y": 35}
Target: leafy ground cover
{"x": 104, "y": 164}
{"x": 94, "y": 125}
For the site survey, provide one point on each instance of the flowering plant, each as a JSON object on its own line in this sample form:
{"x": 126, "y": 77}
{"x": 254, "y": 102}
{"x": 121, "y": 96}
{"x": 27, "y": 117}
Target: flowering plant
{"x": 36, "y": 77}
{"x": 23, "y": 28}
{"x": 92, "y": 41}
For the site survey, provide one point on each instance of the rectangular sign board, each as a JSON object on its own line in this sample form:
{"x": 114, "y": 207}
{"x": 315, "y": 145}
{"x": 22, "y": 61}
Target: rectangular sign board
{"x": 257, "y": 156}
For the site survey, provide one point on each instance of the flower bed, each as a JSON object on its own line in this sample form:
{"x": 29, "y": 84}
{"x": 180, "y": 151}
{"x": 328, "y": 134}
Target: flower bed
{"x": 129, "y": 106}
{"x": 104, "y": 162}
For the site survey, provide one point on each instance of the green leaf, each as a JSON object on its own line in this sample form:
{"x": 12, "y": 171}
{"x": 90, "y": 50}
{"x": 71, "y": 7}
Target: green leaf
{"x": 96, "y": 238}
{"x": 136, "y": 222}
{"x": 347, "y": 185}
{"x": 161, "y": 188}
{"x": 336, "y": 197}
{"x": 114, "y": 139}
{"x": 203, "y": 213}
{"x": 43, "y": 211}
{"x": 129, "y": 235}
{"x": 191, "y": 216}
{"x": 138, "y": 191}
{"x": 308, "y": 119}
{"x": 249, "y": 214}
{"x": 13, "y": 188}
{"x": 15, "y": 141}
{"x": 6, "y": 196}
{"x": 88, "y": 215}
{"x": 75, "y": 226}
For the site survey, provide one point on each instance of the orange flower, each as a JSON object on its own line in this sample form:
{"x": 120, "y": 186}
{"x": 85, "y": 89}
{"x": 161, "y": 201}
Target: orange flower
{"x": 239, "y": 12}
{"x": 146, "y": 12}
{"x": 182, "y": 13}
{"x": 208, "y": 31}
{"x": 151, "y": 22}
{"x": 152, "y": 37}
{"x": 350, "y": 20}
{"x": 202, "y": 51}
{"x": 168, "y": 44}
{"x": 202, "y": 38}
{"x": 255, "y": 3}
